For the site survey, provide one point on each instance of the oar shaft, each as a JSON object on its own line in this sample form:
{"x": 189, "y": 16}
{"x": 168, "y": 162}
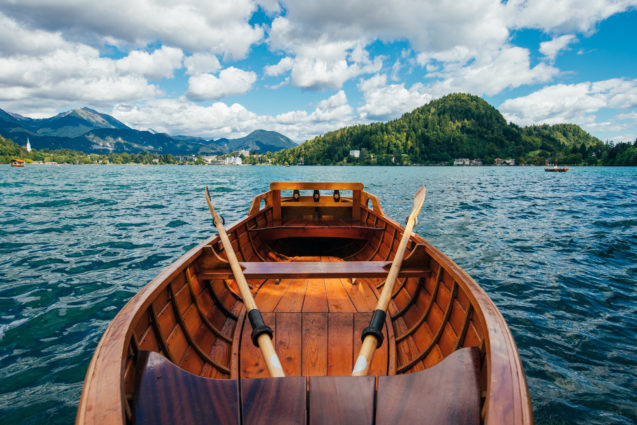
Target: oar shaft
{"x": 263, "y": 340}
{"x": 373, "y": 335}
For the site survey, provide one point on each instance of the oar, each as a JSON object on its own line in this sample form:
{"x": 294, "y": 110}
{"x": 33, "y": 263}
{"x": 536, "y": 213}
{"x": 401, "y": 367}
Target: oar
{"x": 261, "y": 333}
{"x": 373, "y": 334}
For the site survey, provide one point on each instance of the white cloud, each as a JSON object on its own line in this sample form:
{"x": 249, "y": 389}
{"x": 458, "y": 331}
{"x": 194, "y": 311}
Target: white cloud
{"x": 550, "y": 49}
{"x": 491, "y": 73}
{"x": 219, "y": 27}
{"x": 75, "y": 75}
{"x": 15, "y": 39}
{"x": 577, "y": 103}
{"x": 201, "y": 63}
{"x": 231, "y": 81}
{"x": 322, "y": 64}
{"x": 156, "y": 65}
{"x": 180, "y": 116}
{"x": 283, "y": 66}
{"x": 429, "y": 25}
{"x": 563, "y": 15}
{"x": 385, "y": 102}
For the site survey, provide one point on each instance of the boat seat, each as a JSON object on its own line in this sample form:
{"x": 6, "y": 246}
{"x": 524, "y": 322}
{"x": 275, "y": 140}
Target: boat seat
{"x": 448, "y": 393}
{"x": 167, "y": 394}
{"x": 280, "y": 401}
{"x": 313, "y": 269}
{"x": 342, "y": 400}
{"x": 316, "y": 231}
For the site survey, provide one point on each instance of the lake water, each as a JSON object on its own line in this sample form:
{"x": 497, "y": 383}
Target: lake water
{"x": 555, "y": 251}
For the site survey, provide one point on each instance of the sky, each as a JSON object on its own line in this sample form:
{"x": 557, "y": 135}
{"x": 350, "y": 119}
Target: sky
{"x": 224, "y": 68}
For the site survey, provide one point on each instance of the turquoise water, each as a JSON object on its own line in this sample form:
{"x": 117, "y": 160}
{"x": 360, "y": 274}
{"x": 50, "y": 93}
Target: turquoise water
{"x": 555, "y": 251}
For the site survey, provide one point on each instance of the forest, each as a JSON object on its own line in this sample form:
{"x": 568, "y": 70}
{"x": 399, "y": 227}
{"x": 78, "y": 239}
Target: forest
{"x": 456, "y": 126}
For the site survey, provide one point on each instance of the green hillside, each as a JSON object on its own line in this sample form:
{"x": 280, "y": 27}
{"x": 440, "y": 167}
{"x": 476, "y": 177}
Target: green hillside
{"x": 455, "y": 126}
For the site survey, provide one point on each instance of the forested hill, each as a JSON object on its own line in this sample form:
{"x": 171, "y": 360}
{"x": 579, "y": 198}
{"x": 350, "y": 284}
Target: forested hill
{"x": 455, "y": 126}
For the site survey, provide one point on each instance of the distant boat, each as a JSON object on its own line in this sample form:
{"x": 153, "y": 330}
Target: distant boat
{"x": 557, "y": 169}
{"x": 17, "y": 162}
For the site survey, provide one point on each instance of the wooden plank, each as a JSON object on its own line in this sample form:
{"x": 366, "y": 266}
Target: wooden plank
{"x": 267, "y": 401}
{"x": 251, "y": 358}
{"x": 315, "y": 298}
{"x": 346, "y": 400}
{"x": 337, "y": 298}
{"x": 316, "y": 186}
{"x": 170, "y": 395}
{"x": 276, "y": 205}
{"x": 314, "y": 342}
{"x": 292, "y": 300}
{"x": 312, "y": 269}
{"x": 340, "y": 343}
{"x": 380, "y": 363}
{"x": 356, "y": 205}
{"x": 270, "y": 294}
{"x": 361, "y": 294}
{"x": 448, "y": 393}
{"x": 350, "y": 232}
{"x": 288, "y": 342}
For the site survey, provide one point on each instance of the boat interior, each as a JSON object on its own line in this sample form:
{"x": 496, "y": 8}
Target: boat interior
{"x": 316, "y": 256}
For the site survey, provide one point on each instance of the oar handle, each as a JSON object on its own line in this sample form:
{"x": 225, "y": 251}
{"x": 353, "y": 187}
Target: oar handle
{"x": 261, "y": 333}
{"x": 372, "y": 335}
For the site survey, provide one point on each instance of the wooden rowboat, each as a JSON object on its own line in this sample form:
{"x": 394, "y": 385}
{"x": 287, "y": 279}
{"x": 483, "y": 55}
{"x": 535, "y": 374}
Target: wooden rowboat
{"x": 181, "y": 350}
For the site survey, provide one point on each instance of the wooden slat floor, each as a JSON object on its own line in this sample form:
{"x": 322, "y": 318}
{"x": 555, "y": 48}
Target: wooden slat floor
{"x": 317, "y": 326}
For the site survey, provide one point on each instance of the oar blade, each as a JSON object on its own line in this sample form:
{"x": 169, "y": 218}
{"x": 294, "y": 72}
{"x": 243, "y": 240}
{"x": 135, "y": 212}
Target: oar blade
{"x": 419, "y": 197}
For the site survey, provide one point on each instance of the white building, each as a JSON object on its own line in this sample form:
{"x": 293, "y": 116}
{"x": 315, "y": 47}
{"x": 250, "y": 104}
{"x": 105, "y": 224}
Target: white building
{"x": 244, "y": 152}
{"x": 233, "y": 160}
{"x": 356, "y": 153}
{"x": 28, "y": 145}
{"x": 461, "y": 161}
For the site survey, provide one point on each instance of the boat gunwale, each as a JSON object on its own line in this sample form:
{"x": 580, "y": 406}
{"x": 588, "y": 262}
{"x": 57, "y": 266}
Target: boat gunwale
{"x": 504, "y": 371}
{"x": 104, "y": 366}
{"x": 502, "y": 360}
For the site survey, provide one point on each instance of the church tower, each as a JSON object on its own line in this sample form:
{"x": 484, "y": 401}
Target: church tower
{"x": 28, "y": 145}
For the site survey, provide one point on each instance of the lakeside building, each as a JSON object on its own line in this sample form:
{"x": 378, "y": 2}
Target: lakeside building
{"x": 233, "y": 160}
{"x": 356, "y": 153}
{"x": 461, "y": 161}
{"x": 209, "y": 159}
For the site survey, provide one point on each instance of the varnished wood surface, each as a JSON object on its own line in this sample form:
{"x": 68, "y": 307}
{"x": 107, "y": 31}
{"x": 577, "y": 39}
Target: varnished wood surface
{"x": 342, "y": 400}
{"x": 169, "y": 395}
{"x": 313, "y": 344}
{"x": 313, "y": 269}
{"x": 280, "y": 401}
{"x": 201, "y": 323}
{"x": 448, "y": 393}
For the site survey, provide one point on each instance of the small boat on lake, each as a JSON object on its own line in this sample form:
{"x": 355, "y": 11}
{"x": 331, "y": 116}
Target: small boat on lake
{"x": 17, "y": 162}
{"x": 317, "y": 259}
{"x": 556, "y": 169}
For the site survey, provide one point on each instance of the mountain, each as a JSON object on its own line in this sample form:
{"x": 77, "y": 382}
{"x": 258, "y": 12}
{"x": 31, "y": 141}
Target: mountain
{"x": 77, "y": 122}
{"x": 261, "y": 141}
{"x": 90, "y": 131}
{"x": 454, "y": 126}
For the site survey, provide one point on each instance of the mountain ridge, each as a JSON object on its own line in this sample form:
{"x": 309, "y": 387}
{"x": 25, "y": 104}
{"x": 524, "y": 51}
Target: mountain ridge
{"x": 90, "y": 131}
{"x": 458, "y": 125}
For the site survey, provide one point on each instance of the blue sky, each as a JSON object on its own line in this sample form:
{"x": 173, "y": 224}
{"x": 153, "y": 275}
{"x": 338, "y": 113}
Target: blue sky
{"x": 228, "y": 67}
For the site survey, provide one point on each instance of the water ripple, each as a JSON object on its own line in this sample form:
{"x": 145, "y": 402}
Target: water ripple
{"x": 556, "y": 253}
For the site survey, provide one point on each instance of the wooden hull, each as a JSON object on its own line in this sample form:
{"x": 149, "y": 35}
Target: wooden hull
{"x": 315, "y": 270}
{"x": 557, "y": 170}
